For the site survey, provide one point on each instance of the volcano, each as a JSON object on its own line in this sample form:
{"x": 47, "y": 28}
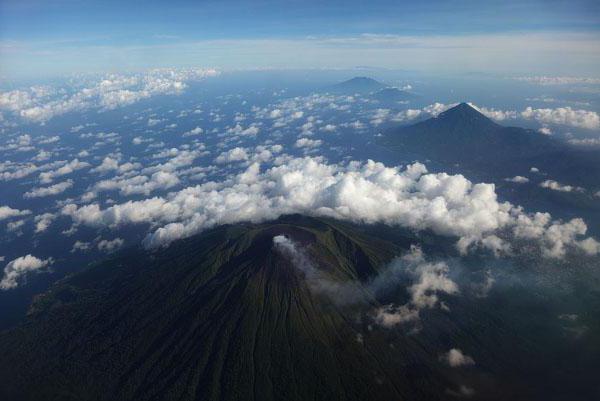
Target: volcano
{"x": 463, "y": 136}
{"x": 354, "y": 85}
{"x": 232, "y": 314}
{"x": 221, "y": 316}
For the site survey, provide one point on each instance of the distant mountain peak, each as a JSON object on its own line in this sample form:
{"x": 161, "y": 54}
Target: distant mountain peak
{"x": 465, "y": 115}
{"x": 363, "y": 79}
{"x": 464, "y": 110}
{"x": 358, "y": 84}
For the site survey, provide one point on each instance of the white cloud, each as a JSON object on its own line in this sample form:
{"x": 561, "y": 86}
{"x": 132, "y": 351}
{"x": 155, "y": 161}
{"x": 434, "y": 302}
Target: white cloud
{"x": 108, "y": 164}
{"x": 430, "y": 279}
{"x": 15, "y": 226}
{"x": 498, "y": 115}
{"x": 139, "y": 184}
{"x": 112, "y": 164}
{"x": 252, "y": 130}
{"x": 308, "y": 143}
{"x": 563, "y": 116}
{"x": 193, "y": 132}
{"x": 67, "y": 168}
{"x": 109, "y": 93}
{"x": 557, "y": 186}
{"x": 81, "y": 246}
{"x": 7, "y": 212}
{"x": 519, "y": 179}
{"x": 559, "y": 116}
{"x": 232, "y": 155}
{"x": 432, "y": 110}
{"x": 43, "y": 221}
{"x": 52, "y": 190}
{"x": 19, "y": 267}
{"x": 51, "y": 139}
{"x": 448, "y": 205}
{"x": 433, "y": 278}
{"x": 455, "y": 358}
{"x": 110, "y": 246}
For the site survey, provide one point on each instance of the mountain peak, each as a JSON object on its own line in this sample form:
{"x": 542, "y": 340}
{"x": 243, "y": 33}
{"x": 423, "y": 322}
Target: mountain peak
{"x": 465, "y": 110}
{"x": 362, "y": 79}
{"x": 358, "y": 85}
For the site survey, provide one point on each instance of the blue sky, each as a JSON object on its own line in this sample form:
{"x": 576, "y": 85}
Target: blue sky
{"x": 66, "y": 36}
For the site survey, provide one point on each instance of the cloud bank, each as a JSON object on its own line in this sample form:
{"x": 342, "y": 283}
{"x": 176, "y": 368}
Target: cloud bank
{"x": 448, "y": 205}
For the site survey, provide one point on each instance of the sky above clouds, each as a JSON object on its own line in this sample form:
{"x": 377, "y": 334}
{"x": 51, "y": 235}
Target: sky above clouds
{"x": 39, "y": 38}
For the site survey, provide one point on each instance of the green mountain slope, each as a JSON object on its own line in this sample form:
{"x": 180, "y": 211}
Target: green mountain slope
{"x": 222, "y": 316}
{"x": 226, "y": 315}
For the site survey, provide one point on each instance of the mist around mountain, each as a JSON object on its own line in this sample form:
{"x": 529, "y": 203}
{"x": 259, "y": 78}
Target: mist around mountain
{"x": 304, "y": 308}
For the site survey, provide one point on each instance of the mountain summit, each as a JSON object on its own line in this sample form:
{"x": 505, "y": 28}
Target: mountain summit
{"x": 465, "y": 115}
{"x": 464, "y": 135}
{"x": 357, "y": 85}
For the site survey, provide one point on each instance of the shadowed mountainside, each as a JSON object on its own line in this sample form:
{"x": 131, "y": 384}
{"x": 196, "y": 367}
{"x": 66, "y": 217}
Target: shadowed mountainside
{"x": 464, "y": 136}
{"x": 225, "y": 315}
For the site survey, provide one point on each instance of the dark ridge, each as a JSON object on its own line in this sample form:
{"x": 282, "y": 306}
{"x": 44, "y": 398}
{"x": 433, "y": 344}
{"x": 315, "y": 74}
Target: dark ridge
{"x": 393, "y": 95}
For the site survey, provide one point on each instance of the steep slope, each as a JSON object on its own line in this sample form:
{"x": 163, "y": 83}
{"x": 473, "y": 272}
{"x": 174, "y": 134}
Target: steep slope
{"x": 222, "y": 316}
{"x": 462, "y": 132}
{"x": 462, "y": 135}
{"x": 231, "y": 315}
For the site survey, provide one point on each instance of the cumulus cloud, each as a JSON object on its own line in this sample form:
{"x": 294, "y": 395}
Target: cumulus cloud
{"x": 52, "y": 190}
{"x": 81, "y": 246}
{"x": 518, "y": 179}
{"x": 559, "y": 116}
{"x": 308, "y": 143}
{"x": 110, "y": 246}
{"x": 232, "y": 155}
{"x": 139, "y": 184}
{"x": 111, "y": 92}
{"x": 252, "y": 130}
{"x": 193, "y": 132}
{"x": 43, "y": 221}
{"x": 448, "y": 205}
{"x": 456, "y": 358}
{"x": 430, "y": 280}
{"x": 557, "y": 186}
{"x": 15, "y": 226}
{"x": 498, "y": 115}
{"x": 19, "y": 267}
{"x": 67, "y": 168}
{"x": 111, "y": 164}
{"x": 7, "y": 212}
{"x": 563, "y": 116}
{"x": 432, "y": 110}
